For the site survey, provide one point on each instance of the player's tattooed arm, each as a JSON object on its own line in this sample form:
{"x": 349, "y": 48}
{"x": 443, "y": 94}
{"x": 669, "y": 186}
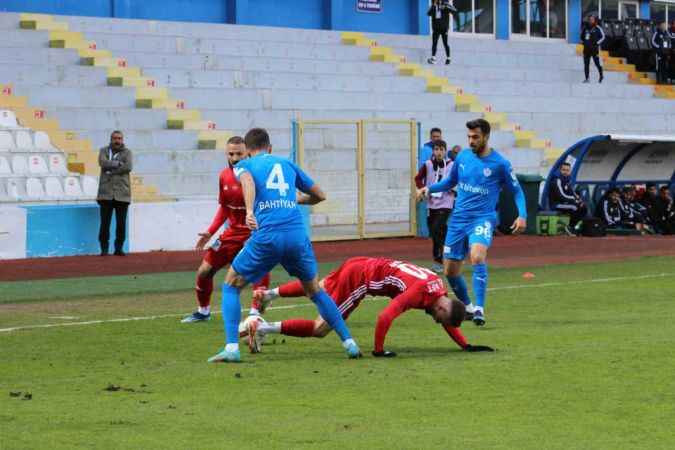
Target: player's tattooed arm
{"x": 312, "y": 197}
{"x": 248, "y": 186}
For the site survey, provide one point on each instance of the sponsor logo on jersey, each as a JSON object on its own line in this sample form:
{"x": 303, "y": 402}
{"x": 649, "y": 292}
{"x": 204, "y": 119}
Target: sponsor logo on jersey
{"x": 473, "y": 189}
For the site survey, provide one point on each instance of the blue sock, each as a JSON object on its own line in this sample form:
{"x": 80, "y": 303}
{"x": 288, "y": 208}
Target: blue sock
{"x": 330, "y": 313}
{"x": 458, "y": 286}
{"x": 231, "y": 313}
{"x": 480, "y": 278}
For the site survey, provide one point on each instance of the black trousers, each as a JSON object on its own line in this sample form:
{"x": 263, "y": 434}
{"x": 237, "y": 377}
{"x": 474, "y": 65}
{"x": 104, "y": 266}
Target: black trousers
{"x": 661, "y": 68}
{"x": 437, "y": 222}
{"x": 587, "y": 63}
{"x": 434, "y": 42}
{"x": 575, "y": 211}
{"x": 106, "y": 208}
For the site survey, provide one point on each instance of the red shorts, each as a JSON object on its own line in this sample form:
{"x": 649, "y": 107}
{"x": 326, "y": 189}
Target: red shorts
{"x": 224, "y": 249}
{"x": 347, "y": 297}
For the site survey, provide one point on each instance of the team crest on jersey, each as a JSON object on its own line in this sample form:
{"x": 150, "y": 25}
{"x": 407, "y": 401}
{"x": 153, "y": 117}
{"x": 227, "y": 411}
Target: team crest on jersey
{"x": 487, "y": 172}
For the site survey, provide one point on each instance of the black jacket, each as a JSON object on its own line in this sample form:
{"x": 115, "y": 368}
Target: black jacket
{"x": 442, "y": 24}
{"x": 561, "y": 192}
{"x": 592, "y": 38}
{"x": 661, "y": 41}
{"x": 610, "y": 213}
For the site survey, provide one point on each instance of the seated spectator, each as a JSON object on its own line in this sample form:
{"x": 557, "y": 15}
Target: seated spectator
{"x": 632, "y": 211}
{"x": 562, "y": 198}
{"x": 439, "y": 205}
{"x": 609, "y": 210}
{"x": 648, "y": 200}
{"x": 665, "y": 212}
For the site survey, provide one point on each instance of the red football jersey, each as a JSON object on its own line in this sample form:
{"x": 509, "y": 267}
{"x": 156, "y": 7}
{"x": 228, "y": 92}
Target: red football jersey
{"x": 231, "y": 199}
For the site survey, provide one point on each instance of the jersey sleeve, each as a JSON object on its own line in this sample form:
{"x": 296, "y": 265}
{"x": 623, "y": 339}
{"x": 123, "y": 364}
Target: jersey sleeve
{"x": 302, "y": 181}
{"x": 399, "y": 304}
{"x": 448, "y": 182}
{"x": 241, "y": 167}
{"x": 511, "y": 182}
{"x": 456, "y": 335}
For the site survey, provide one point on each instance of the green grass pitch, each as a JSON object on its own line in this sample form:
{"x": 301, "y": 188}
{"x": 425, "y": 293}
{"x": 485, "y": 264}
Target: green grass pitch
{"x": 585, "y": 360}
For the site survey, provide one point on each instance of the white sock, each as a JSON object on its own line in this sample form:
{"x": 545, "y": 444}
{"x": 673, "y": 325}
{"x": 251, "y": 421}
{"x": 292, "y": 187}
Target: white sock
{"x": 253, "y": 311}
{"x": 470, "y": 308}
{"x": 232, "y": 347}
{"x": 270, "y": 327}
{"x": 206, "y": 310}
{"x": 347, "y": 342}
{"x": 272, "y": 294}
{"x": 479, "y": 308}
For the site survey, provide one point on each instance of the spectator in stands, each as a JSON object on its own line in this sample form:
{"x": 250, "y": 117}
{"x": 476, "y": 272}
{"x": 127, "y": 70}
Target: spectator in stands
{"x": 562, "y": 198}
{"x": 455, "y": 151}
{"x": 114, "y": 191}
{"x": 661, "y": 44}
{"x": 633, "y": 211}
{"x": 439, "y": 205}
{"x": 609, "y": 210}
{"x": 427, "y": 149}
{"x": 665, "y": 211}
{"x": 592, "y": 37}
{"x": 439, "y": 11}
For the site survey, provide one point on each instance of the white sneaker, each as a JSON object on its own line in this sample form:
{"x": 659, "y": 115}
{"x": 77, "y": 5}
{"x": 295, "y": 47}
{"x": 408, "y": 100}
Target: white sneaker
{"x": 255, "y": 335}
{"x": 432, "y": 60}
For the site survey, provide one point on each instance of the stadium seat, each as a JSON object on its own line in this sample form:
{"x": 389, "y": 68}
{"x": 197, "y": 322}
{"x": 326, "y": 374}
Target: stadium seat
{"x": 34, "y": 189}
{"x": 5, "y": 169}
{"x": 16, "y": 189}
{"x": 57, "y": 164}
{"x": 24, "y": 141}
{"x": 19, "y": 165}
{"x": 42, "y": 141}
{"x": 37, "y": 165}
{"x": 71, "y": 187}
{"x": 90, "y": 186}
{"x": 53, "y": 188}
{"x": 3, "y": 191}
{"x": 8, "y": 119}
{"x": 6, "y": 141}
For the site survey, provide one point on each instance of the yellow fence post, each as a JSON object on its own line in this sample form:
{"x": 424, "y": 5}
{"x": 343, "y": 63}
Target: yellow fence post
{"x": 361, "y": 169}
{"x": 413, "y": 171}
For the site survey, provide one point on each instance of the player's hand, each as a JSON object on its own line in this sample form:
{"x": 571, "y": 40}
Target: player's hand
{"x": 203, "y": 239}
{"x": 250, "y": 221}
{"x": 478, "y": 348}
{"x": 422, "y": 193}
{"x": 518, "y": 226}
{"x": 384, "y": 354}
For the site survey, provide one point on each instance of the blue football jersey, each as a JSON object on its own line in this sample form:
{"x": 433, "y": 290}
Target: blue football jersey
{"x": 479, "y": 182}
{"x": 276, "y": 180}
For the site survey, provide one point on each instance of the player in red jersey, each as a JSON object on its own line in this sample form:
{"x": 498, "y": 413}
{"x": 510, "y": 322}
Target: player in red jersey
{"x": 409, "y": 286}
{"x": 223, "y": 250}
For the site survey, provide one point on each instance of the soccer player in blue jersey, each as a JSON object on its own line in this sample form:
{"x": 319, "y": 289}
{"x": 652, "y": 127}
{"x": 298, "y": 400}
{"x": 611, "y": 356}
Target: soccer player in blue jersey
{"x": 479, "y": 175}
{"x": 269, "y": 184}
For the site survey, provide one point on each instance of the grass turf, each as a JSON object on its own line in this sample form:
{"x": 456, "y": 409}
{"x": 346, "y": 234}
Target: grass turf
{"x": 580, "y": 364}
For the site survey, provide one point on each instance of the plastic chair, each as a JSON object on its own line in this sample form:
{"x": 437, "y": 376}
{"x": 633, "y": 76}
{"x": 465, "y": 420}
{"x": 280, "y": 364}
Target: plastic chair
{"x": 57, "y": 164}
{"x": 6, "y": 141}
{"x": 24, "y": 141}
{"x": 34, "y": 189}
{"x": 37, "y": 165}
{"x": 16, "y": 189}
{"x": 71, "y": 187}
{"x": 42, "y": 142}
{"x": 53, "y": 188}
{"x": 90, "y": 186}
{"x": 8, "y": 119}
{"x": 5, "y": 168}
{"x": 19, "y": 165}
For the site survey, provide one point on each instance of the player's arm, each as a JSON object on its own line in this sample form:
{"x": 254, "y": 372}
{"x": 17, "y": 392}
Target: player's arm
{"x": 421, "y": 177}
{"x": 399, "y": 304}
{"x": 457, "y": 336}
{"x": 309, "y": 193}
{"x": 248, "y": 187}
{"x": 445, "y": 185}
{"x": 218, "y": 221}
{"x": 511, "y": 183}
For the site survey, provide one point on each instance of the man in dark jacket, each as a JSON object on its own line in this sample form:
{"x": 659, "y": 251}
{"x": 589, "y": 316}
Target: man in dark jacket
{"x": 439, "y": 12}
{"x": 662, "y": 45}
{"x": 592, "y": 36}
{"x": 665, "y": 211}
{"x": 114, "y": 191}
{"x": 562, "y": 198}
{"x": 609, "y": 210}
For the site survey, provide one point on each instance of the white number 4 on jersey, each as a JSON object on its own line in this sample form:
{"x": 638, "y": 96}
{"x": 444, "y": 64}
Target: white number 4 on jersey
{"x": 276, "y": 181}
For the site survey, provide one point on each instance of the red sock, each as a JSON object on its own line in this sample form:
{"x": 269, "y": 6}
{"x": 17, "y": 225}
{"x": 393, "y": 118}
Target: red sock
{"x": 292, "y": 289}
{"x": 263, "y": 283}
{"x": 204, "y": 289}
{"x": 297, "y": 327}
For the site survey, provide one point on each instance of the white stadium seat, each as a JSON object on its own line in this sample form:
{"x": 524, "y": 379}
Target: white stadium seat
{"x": 24, "y": 141}
{"x": 34, "y": 189}
{"x": 16, "y": 189}
{"x": 6, "y": 141}
{"x": 53, "y": 188}
{"x": 19, "y": 165}
{"x": 3, "y": 191}
{"x": 90, "y": 186}
{"x": 37, "y": 165}
{"x": 5, "y": 169}
{"x": 42, "y": 142}
{"x": 71, "y": 187}
{"x": 57, "y": 164}
{"x": 8, "y": 119}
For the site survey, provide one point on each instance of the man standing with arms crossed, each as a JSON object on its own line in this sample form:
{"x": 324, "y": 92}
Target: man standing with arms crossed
{"x": 479, "y": 174}
{"x": 279, "y": 237}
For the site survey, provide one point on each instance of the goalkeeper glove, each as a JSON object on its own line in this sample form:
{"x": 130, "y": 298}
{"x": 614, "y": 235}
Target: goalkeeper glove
{"x": 478, "y": 348}
{"x": 384, "y": 354}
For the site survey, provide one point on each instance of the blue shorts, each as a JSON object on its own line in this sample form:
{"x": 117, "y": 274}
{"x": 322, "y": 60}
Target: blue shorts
{"x": 463, "y": 233}
{"x": 264, "y": 250}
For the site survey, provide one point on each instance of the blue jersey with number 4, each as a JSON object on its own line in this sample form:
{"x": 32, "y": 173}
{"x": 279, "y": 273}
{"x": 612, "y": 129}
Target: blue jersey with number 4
{"x": 276, "y": 180}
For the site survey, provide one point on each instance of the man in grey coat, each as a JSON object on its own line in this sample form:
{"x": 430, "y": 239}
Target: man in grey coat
{"x": 114, "y": 191}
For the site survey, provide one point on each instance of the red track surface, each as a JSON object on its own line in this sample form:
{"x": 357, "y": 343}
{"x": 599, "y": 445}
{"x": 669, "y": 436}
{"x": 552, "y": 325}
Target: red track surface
{"x": 506, "y": 252}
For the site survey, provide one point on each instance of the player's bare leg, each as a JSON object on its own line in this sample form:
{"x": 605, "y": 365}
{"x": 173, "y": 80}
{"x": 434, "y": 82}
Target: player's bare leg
{"x": 453, "y": 272}
{"x": 203, "y": 290}
{"x": 478, "y": 256}
{"x": 231, "y": 306}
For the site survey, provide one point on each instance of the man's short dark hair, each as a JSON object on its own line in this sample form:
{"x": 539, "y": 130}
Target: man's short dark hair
{"x": 663, "y": 188}
{"x": 256, "y": 139}
{"x": 483, "y": 124}
{"x": 651, "y": 185}
{"x": 116, "y": 132}
{"x": 435, "y": 130}
{"x": 457, "y": 313}
{"x": 441, "y": 143}
{"x": 235, "y": 140}
{"x": 565, "y": 163}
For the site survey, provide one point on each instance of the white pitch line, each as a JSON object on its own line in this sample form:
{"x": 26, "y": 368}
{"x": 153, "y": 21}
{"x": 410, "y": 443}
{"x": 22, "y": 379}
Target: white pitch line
{"x": 303, "y": 305}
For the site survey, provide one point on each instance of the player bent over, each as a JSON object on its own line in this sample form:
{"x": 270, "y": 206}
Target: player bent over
{"x": 409, "y": 286}
{"x": 279, "y": 237}
{"x": 225, "y": 248}
{"x": 479, "y": 175}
